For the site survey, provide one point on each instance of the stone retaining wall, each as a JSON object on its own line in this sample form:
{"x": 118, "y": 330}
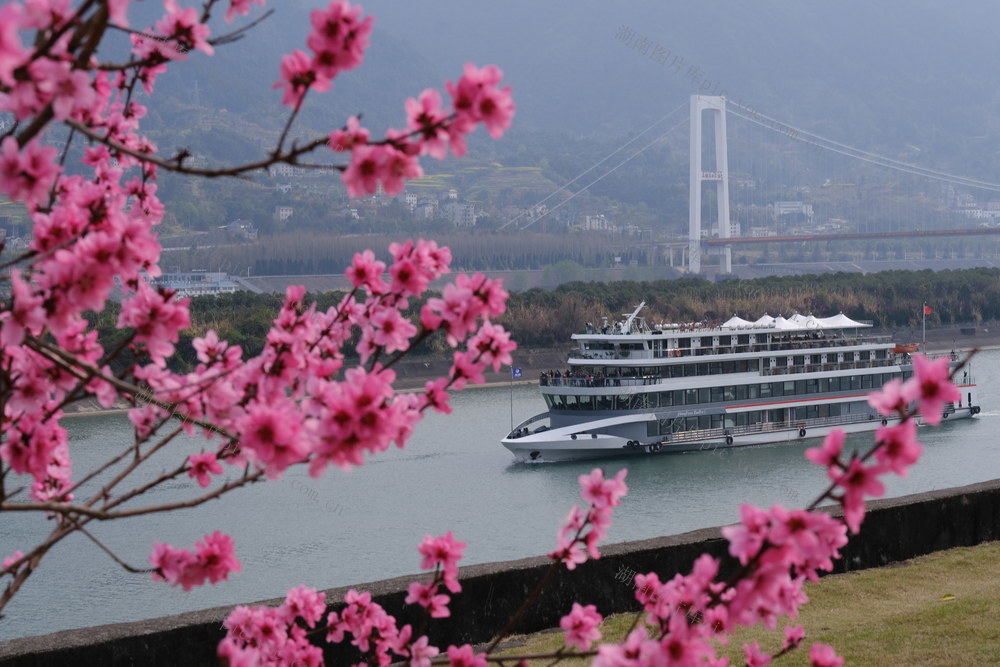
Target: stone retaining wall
{"x": 893, "y": 530}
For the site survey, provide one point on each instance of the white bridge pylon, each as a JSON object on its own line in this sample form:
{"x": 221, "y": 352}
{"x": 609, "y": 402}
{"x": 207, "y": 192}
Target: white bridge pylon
{"x": 719, "y": 174}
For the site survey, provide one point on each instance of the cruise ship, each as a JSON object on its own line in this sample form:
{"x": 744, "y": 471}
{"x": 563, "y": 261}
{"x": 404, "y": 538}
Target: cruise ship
{"x": 635, "y": 389}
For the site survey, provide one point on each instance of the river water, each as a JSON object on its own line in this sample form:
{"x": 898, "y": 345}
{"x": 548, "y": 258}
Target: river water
{"x": 364, "y": 525}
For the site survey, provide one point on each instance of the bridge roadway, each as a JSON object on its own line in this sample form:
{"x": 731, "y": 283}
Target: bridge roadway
{"x": 746, "y": 240}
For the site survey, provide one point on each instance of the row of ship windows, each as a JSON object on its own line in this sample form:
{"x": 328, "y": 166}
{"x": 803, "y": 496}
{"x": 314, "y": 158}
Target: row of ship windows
{"x": 700, "y": 423}
{"x": 743, "y": 365}
{"x": 666, "y": 399}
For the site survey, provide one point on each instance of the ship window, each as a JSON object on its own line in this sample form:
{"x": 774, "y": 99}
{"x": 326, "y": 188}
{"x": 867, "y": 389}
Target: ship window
{"x": 548, "y": 401}
{"x": 866, "y": 382}
{"x": 754, "y": 416}
{"x": 666, "y": 399}
{"x": 812, "y": 386}
{"x": 702, "y": 369}
{"x": 704, "y": 395}
{"x": 690, "y": 396}
{"x": 798, "y": 360}
{"x": 800, "y": 386}
{"x": 704, "y": 422}
{"x": 729, "y": 393}
{"x": 823, "y": 410}
{"x": 741, "y": 418}
{"x": 753, "y": 390}
{"x": 855, "y": 382}
{"x": 623, "y": 402}
{"x": 744, "y": 339}
{"x": 716, "y": 394}
{"x": 741, "y": 392}
{"x": 765, "y": 390}
{"x": 752, "y": 365}
{"x": 570, "y": 402}
{"x": 679, "y": 397}
{"x": 835, "y": 384}
{"x": 824, "y": 385}
{"x": 864, "y": 355}
{"x": 715, "y": 368}
{"x": 584, "y": 403}
{"x": 848, "y": 356}
{"x": 716, "y": 421}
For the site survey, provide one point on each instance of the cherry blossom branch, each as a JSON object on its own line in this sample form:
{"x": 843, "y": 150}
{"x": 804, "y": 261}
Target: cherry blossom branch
{"x": 105, "y": 549}
{"x": 176, "y": 165}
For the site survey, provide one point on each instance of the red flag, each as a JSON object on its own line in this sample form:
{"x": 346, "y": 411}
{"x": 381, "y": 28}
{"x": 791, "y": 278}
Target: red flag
{"x": 927, "y": 310}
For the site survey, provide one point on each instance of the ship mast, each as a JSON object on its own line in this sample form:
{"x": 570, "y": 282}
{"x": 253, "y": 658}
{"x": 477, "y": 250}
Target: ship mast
{"x": 627, "y": 327}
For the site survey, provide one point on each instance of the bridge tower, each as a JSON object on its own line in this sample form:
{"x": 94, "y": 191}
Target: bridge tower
{"x": 719, "y": 173}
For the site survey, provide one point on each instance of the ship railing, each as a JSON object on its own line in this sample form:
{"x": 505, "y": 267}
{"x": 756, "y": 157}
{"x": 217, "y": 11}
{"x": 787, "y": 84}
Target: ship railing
{"x": 820, "y": 343}
{"x": 600, "y": 381}
{"x": 831, "y": 366}
{"x": 766, "y": 427}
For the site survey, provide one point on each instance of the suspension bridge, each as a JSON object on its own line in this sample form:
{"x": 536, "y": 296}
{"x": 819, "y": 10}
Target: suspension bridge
{"x": 756, "y": 180}
{"x": 903, "y": 200}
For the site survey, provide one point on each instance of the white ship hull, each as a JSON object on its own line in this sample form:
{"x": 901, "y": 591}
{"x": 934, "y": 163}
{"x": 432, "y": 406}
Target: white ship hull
{"x": 555, "y": 445}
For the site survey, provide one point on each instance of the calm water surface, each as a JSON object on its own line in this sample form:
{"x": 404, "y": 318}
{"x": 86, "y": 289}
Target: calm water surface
{"x": 364, "y": 525}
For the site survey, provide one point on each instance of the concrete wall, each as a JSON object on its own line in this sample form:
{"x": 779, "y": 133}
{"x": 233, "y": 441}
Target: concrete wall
{"x": 894, "y": 530}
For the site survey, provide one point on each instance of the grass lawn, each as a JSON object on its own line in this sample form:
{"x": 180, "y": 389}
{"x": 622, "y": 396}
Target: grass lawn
{"x": 941, "y": 609}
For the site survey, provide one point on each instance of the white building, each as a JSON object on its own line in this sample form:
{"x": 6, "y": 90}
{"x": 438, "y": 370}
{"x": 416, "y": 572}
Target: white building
{"x": 461, "y": 214}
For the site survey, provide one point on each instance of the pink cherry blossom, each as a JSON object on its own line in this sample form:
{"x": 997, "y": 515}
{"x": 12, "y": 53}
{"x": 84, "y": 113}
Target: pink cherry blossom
{"x": 426, "y": 116}
{"x": 298, "y": 76}
{"x": 601, "y": 492}
{"x": 856, "y": 482}
{"x": 793, "y": 636}
{"x": 12, "y": 51}
{"x": 11, "y": 559}
{"x": 202, "y": 465}
{"x": 898, "y": 447}
{"x": 240, "y": 7}
{"x": 216, "y": 557}
{"x": 829, "y": 453}
{"x": 339, "y": 37}
{"x": 350, "y": 137}
{"x": 931, "y": 386}
{"x": 580, "y": 626}
{"x": 465, "y": 656}
{"x": 421, "y": 652}
{"x": 157, "y": 318}
{"x": 891, "y": 400}
{"x": 822, "y": 655}
{"x": 426, "y": 596}
{"x": 444, "y": 551}
{"x": 365, "y": 271}
{"x": 754, "y": 656}
{"x": 27, "y": 174}
{"x": 185, "y": 29}
{"x": 305, "y": 603}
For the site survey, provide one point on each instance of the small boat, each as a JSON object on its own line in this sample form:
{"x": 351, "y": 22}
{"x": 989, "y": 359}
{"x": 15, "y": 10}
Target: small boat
{"x": 633, "y": 389}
